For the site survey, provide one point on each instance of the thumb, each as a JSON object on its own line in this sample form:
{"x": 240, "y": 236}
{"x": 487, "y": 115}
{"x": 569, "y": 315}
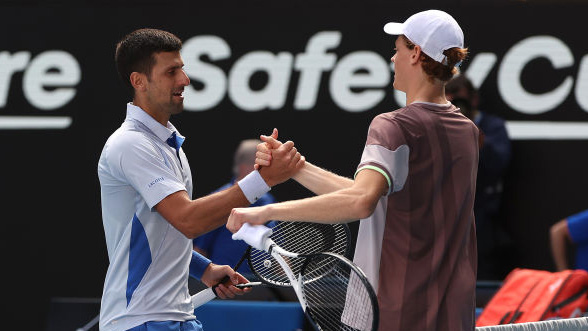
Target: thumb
{"x": 272, "y": 142}
{"x": 275, "y": 134}
{"x": 234, "y": 277}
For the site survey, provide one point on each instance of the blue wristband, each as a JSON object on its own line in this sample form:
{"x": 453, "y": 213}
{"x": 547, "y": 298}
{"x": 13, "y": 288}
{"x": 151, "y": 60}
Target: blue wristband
{"x": 198, "y": 265}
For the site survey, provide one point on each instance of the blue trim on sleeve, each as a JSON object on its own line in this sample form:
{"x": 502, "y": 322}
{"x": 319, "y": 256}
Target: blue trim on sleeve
{"x": 198, "y": 264}
{"x": 139, "y": 257}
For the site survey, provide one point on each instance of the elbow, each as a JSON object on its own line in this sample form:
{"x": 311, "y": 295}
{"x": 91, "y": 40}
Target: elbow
{"x": 365, "y": 206}
{"x": 559, "y": 231}
{"x": 187, "y": 228}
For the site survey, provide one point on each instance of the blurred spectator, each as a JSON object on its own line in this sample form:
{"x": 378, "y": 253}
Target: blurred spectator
{"x": 571, "y": 230}
{"x": 495, "y": 151}
{"x": 218, "y": 244}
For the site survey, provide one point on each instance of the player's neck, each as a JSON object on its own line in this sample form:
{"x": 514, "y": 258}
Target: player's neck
{"x": 159, "y": 116}
{"x": 427, "y": 92}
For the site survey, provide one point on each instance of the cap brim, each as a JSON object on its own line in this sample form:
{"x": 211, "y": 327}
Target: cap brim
{"x": 394, "y": 28}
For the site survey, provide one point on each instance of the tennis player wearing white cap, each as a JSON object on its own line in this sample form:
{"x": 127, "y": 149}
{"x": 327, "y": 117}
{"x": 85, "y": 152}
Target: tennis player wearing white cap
{"x": 413, "y": 189}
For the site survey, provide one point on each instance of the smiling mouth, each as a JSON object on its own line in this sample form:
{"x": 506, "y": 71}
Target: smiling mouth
{"x": 179, "y": 94}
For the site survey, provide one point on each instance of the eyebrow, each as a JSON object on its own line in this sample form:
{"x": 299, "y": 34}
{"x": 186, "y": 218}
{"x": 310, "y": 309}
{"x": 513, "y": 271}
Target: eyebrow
{"x": 176, "y": 66}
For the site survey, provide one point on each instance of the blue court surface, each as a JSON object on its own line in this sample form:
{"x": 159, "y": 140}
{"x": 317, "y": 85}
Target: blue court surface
{"x": 250, "y": 315}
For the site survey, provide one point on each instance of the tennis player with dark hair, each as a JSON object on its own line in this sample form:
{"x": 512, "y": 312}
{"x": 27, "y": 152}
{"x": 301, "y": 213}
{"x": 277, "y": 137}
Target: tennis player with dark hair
{"x": 148, "y": 212}
{"x": 413, "y": 189}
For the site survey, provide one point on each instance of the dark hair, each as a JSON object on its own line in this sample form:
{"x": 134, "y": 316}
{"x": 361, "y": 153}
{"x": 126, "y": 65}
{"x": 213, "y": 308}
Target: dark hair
{"x": 135, "y": 52}
{"x": 434, "y": 69}
{"x": 457, "y": 83}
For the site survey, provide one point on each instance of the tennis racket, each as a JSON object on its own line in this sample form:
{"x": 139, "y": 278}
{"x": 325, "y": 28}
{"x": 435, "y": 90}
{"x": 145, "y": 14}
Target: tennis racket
{"x": 299, "y": 237}
{"x": 333, "y": 292}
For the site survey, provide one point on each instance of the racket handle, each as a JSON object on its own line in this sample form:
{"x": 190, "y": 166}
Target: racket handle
{"x": 203, "y": 297}
{"x": 208, "y": 294}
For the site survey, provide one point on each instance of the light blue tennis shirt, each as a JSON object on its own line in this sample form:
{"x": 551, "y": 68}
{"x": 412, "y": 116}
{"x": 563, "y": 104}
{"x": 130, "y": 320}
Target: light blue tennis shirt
{"x": 147, "y": 279}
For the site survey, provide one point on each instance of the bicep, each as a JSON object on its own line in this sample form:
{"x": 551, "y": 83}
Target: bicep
{"x": 173, "y": 208}
{"x": 372, "y": 184}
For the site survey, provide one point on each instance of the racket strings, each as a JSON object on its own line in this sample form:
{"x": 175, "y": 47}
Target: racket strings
{"x": 300, "y": 238}
{"x": 336, "y": 296}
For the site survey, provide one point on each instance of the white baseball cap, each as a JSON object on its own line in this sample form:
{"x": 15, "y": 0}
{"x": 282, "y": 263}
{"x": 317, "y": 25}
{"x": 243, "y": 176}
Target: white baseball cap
{"x": 433, "y": 30}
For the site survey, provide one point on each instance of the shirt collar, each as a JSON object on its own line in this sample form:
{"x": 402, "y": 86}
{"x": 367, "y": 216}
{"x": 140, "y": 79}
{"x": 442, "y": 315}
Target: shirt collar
{"x": 442, "y": 105}
{"x": 162, "y": 132}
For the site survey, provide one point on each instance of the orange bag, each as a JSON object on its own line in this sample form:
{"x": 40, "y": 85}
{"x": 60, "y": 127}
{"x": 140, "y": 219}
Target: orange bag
{"x": 534, "y": 295}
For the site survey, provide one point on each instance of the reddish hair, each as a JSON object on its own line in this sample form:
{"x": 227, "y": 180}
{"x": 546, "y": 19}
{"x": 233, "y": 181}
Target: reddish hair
{"x": 437, "y": 70}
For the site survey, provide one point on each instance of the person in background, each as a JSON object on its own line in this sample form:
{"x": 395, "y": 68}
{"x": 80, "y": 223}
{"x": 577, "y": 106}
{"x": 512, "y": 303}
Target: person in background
{"x": 495, "y": 153}
{"x": 218, "y": 244}
{"x": 571, "y": 230}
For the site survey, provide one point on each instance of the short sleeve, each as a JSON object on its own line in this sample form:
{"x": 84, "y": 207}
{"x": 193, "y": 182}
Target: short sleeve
{"x": 387, "y": 152}
{"x": 578, "y": 227}
{"x": 137, "y": 161}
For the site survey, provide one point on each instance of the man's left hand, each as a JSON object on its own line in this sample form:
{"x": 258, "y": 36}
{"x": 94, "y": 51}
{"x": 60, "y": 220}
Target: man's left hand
{"x": 215, "y": 273}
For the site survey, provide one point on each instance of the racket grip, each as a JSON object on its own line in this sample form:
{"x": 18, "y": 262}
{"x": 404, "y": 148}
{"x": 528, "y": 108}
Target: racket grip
{"x": 208, "y": 294}
{"x": 203, "y": 297}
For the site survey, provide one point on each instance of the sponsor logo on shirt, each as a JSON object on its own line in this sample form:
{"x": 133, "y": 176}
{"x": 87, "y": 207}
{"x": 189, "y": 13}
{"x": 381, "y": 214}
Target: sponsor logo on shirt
{"x": 157, "y": 180}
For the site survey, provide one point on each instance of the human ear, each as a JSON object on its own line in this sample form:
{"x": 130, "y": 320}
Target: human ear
{"x": 138, "y": 80}
{"x": 416, "y": 54}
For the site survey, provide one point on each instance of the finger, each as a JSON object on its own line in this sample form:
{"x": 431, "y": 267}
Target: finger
{"x": 263, "y": 163}
{"x": 236, "y": 291}
{"x": 225, "y": 292}
{"x": 273, "y": 143}
{"x": 233, "y": 224}
{"x": 275, "y": 133}
{"x": 301, "y": 162}
{"x": 295, "y": 158}
{"x": 221, "y": 291}
{"x": 264, "y": 148}
{"x": 263, "y": 156}
{"x": 288, "y": 145}
{"x": 239, "y": 279}
{"x": 256, "y": 166}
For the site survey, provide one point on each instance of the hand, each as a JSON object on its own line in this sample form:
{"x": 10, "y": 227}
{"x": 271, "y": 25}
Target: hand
{"x": 263, "y": 155}
{"x": 252, "y": 215}
{"x": 215, "y": 273}
{"x": 285, "y": 161}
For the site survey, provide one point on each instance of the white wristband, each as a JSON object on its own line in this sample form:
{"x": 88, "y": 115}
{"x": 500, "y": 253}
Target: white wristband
{"x": 253, "y": 186}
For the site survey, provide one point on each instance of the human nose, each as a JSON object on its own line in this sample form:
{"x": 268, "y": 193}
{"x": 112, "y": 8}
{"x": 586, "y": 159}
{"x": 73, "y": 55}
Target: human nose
{"x": 185, "y": 79}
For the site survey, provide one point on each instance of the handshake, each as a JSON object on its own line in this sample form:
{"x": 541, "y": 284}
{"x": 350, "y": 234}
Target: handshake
{"x": 277, "y": 162}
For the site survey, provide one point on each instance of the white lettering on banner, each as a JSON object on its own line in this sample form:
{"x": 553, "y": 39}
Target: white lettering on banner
{"x": 211, "y": 77}
{"x": 346, "y": 76}
{"x": 357, "y": 70}
{"x": 357, "y": 81}
{"x": 480, "y": 67}
{"x": 56, "y": 70}
{"x": 311, "y": 65}
{"x": 513, "y": 63}
{"x": 10, "y": 65}
{"x": 582, "y": 84}
{"x": 360, "y": 80}
{"x": 48, "y": 83}
{"x": 273, "y": 95}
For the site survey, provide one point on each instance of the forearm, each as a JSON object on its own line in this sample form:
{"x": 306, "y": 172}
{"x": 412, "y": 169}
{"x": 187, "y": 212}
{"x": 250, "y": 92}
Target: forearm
{"x": 321, "y": 181}
{"x": 345, "y": 205}
{"x": 558, "y": 236}
{"x": 196, "y": 217}
{"x": 210, "y": 212}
